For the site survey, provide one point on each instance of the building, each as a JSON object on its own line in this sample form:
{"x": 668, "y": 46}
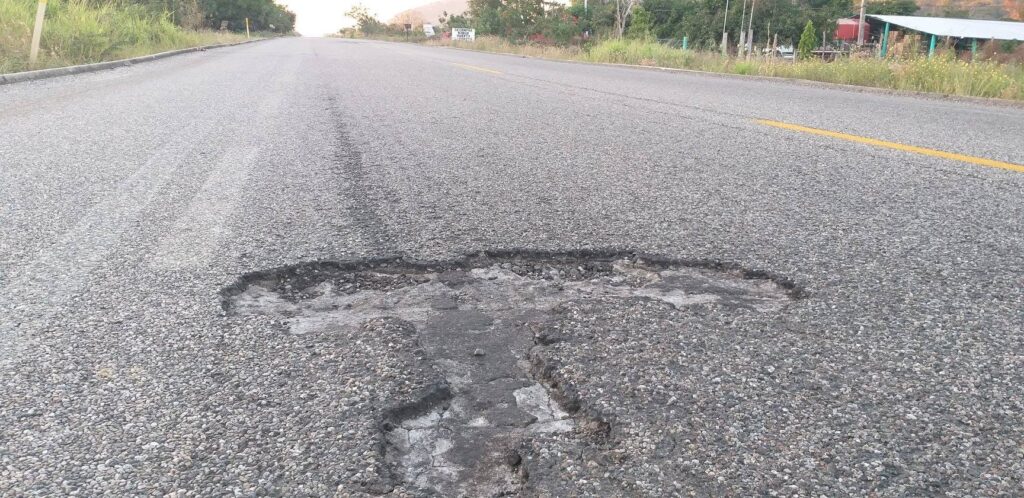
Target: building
{"x": 961, "y": 32}
{"x": 846, "y": 30}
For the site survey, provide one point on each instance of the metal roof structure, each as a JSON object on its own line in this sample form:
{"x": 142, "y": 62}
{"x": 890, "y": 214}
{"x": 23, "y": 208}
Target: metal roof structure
{"x": 958, "y": 28}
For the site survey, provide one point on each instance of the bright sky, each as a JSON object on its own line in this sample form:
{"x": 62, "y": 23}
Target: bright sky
{"x": 320, "y": 17}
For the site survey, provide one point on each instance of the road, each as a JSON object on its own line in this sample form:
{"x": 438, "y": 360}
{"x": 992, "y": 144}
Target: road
{"x": 136, "y": 203}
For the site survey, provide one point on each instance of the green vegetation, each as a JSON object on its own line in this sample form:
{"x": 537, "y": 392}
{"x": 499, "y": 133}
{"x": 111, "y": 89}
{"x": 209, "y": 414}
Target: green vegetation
{"x": 263, "y": 15}
{"x": 944, "y": 74}
{"x": 84, "y": 31}
{"x": 808, "y": 41}
{"x": 548, "y": 22}
{"x": 541, "y": 29}
{"x": 640, "y": 26}
{"x": 892, "y": 8}
{"x": 366, "y": 21}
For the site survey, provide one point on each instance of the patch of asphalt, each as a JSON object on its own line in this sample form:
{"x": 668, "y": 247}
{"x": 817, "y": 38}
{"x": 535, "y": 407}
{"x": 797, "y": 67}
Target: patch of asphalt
{"x": 904, "y": 355}
{"x": 40, "y": 74}
{"x": 484, "y": 323}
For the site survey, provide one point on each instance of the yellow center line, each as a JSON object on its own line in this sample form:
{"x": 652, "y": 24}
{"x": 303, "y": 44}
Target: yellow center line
{"x": 894, "y": 145}
{"x": 476, "y": 68}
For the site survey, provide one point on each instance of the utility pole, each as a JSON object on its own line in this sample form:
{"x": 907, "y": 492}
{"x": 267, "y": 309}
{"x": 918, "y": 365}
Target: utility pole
{"x": 586, "y": 15}
{"x": 860, "y": 25}
{"x": 750, "y": 29}
{"x": 725, "y": 34}
{"x": 37, "y": 33}
{"x": 743, "y": 17}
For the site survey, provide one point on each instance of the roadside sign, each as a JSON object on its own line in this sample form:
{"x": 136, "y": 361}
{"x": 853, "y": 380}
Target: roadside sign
{"x": 408, "y": 27}
{"x": 428, "y": 30}
{"x": 463, "y": 34}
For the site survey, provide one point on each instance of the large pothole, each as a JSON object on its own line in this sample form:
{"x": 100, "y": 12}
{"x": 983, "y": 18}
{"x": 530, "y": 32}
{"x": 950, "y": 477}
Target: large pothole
{"x": 477, "y": 320}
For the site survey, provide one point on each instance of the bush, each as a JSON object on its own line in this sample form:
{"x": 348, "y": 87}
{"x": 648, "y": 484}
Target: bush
{"x": 640, "y": 24}
{"x": 627, "y": 51}
{"x": 744, "y": 68}
{"x": 559, "y": 27}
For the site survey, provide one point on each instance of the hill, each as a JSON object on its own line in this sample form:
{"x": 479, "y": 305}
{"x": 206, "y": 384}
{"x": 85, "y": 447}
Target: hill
{"x": 430, "y": 12}
{"x": 974, "y": 9}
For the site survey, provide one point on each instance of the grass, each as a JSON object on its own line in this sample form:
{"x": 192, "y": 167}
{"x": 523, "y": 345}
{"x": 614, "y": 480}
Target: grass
{"x": 941, "y": 74}
{"x": 937, "y": 75}
{"x": 501, "y": 45}
{"x": 79, "y": 32}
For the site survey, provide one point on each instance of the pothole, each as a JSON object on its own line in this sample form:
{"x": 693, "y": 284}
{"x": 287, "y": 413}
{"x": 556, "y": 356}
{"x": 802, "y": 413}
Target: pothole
{"x": 477, "y": 320}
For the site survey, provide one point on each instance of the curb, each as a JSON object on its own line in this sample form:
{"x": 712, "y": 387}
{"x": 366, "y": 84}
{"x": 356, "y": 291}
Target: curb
{"x": 40, "y": 74}
{"x": 945, "y": 97}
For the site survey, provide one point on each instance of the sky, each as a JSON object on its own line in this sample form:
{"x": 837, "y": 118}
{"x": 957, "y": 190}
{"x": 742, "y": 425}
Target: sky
{"x": 320, "y": 17}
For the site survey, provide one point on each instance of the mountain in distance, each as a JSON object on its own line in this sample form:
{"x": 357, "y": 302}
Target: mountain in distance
{"x": 430, "y": 12}
{"x": 973, "y": 9}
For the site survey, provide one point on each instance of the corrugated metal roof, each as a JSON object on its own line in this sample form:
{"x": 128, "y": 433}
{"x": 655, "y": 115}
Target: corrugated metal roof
{"x": 959, "y": 28}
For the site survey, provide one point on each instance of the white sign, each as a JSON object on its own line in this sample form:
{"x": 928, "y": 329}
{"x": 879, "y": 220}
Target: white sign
{"x": 428, "y": 30}
{"x": 463, "y": 34}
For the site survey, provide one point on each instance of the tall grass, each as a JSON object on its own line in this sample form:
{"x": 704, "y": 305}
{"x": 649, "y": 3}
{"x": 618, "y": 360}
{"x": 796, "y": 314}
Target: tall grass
{"x": 77, "y": 32}
{"x": 941, "y": 74}
{"x": 501, "y": 45}
{"x": 937, "y": 75}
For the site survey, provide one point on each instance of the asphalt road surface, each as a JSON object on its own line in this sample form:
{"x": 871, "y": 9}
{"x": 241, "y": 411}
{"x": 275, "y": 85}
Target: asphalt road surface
{"x": 668, "y": 290}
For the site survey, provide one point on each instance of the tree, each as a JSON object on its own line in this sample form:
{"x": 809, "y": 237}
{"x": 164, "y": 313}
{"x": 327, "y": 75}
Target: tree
{"x": 640, "y": 26}
{"x": 701, "y": 20}
{"x": 448, "y": 21}
{"x": 623, "y": 9}
{"x": 892, "y": 8}
{"x": 366, "y": 21}
{"x": 184, "y": 13}
{"x": 261, "y": 14}
{"x": 408, "y": 17}
{"x": 557, "y": 26}
{"x": 509, "y": 18}
{"x": 598, "y": 17}
{"x": 808, "y": 41}
{"x": 522, "y": 19}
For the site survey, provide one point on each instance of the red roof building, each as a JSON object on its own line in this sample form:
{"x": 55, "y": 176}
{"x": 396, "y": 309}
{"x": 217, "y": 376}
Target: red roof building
{"x": 846, "y": 30}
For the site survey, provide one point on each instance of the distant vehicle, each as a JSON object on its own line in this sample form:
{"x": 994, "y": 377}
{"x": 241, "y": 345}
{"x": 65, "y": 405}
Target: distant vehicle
{"x": 782, "y": 52}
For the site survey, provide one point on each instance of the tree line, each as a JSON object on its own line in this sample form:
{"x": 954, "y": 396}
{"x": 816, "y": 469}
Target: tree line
{"x": 701, "y": 21}
{"x": 263, "y": 15}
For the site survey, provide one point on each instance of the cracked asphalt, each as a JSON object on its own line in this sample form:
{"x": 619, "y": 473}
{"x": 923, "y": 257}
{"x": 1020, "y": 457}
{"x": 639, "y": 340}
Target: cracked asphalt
{"x": 130, "y": 198}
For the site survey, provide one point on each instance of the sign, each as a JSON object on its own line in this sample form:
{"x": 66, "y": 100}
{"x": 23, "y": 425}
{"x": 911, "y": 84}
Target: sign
{"x": 408, "y": 27}
{"x": 428, "y": 30}
{"x": 463, "y": 34}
